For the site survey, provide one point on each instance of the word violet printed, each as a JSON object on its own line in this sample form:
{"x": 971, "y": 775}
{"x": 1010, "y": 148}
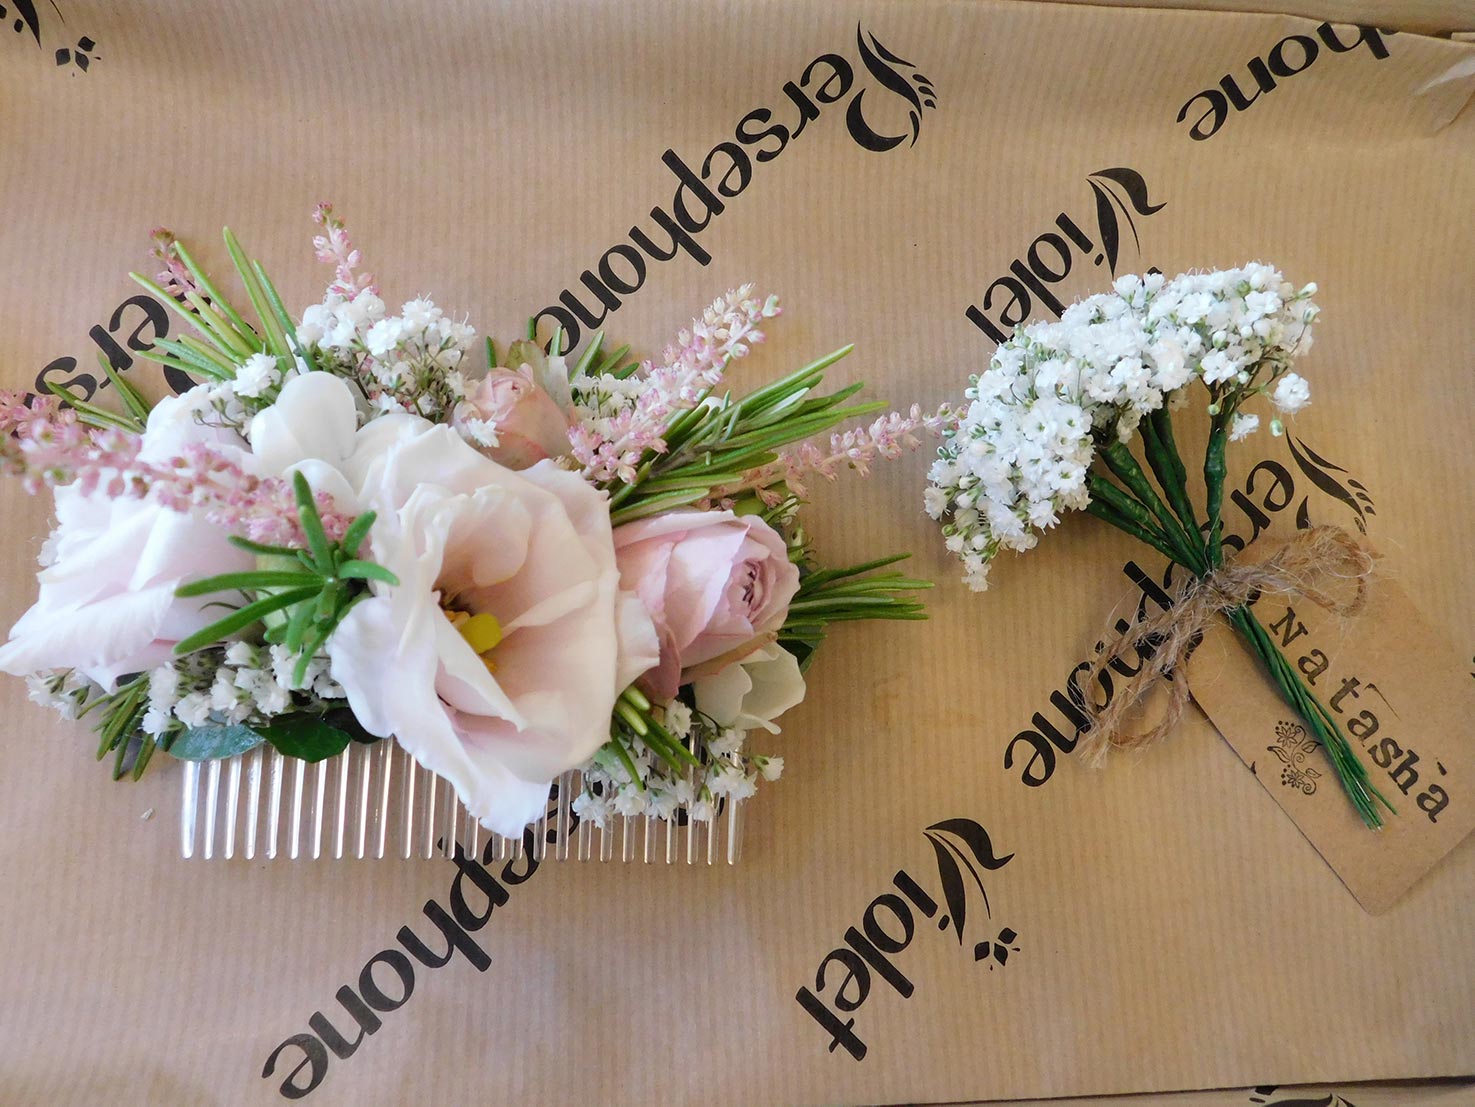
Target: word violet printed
{"x": 537, "y": 588}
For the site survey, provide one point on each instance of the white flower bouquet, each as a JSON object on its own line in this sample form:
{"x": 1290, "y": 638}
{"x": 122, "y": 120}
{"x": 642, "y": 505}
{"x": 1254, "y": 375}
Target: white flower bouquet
{"x": 361, "y": 526}
{"x": 1058, "y": 398}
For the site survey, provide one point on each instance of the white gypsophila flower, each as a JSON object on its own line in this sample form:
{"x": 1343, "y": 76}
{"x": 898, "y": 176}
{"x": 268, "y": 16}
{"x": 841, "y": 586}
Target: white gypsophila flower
{"x": 62, "y": 690}
{"x": 1243, "y": 426}
{"x": 1291, "y": 394}
{"x": 240, "y": 653}
{"x": 630, "y": 801}
{"x": 663, "y": 803}
{"x": 193, "y": 709}
{"x": 257, "y": 375}
{"x": 164, "y": 683}
{"x": 267, "y": 697}
{"x": 728, "y": 774}
{"x": 1018, "y": 457}
{"x": 678, "y": 719}
{"x": 592, "y": 808}
{"x": 726, "y": 742}
{"x": 227, "y": 700}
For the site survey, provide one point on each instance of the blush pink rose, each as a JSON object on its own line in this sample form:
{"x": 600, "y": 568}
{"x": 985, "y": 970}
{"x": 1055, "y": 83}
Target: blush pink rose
{"x": 717, "y": 586}
{"x": 509, "y": 417}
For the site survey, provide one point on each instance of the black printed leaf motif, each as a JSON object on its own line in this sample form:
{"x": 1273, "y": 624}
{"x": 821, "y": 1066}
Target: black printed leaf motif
{"x": 880, "y": 70}
{"x": 1324, "y": 463}
{"x": 1319, "y": 470}
{"x": 953, "y": 890}
{"x": 976, "y": 839}
{"x": 1106, "y": 225}
{"x": 945, "y": 837}
{"x": 27, "y": 11}
{"x": 1133, "y": 185}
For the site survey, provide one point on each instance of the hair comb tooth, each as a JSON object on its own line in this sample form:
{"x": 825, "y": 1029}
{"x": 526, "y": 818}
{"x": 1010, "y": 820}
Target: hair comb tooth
{"x": 377, "y": 801}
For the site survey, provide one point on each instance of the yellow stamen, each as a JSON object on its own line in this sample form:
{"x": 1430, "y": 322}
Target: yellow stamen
{"x": 481, "y": 631}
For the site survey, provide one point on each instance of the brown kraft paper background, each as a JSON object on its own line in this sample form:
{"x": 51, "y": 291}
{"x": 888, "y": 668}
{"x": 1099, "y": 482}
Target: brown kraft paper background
{"x": 1171, "y": 927}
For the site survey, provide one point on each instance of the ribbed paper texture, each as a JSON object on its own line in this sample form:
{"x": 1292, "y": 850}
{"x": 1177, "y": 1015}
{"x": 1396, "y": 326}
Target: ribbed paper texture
{"x": 1159, "y": 925}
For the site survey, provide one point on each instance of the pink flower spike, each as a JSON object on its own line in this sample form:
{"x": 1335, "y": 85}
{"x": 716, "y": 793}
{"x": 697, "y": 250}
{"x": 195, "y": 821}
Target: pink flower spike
{"x": 46, "y": 446}
{"x": 335, "y": 248}
{"x": 885, "y": 439}
{"x": 174, "y": 278}
{"x": 692, "y": 367}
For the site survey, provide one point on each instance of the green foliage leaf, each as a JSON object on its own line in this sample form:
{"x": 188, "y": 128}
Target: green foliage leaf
{"x": 212, "y": 742}
{"x": 244, "y": 617}
{"x": 226, "y": 582}
{"x": 343, "y": 718}
{"x": 305, "y": 736}
{"x": 312, "y": 523}
{"x": 366, "y": 570}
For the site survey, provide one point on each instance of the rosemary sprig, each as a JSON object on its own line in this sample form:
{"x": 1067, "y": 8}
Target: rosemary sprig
{"x": 716, "y": 443}
{"x": 315, "y": 588}
{"x": 829, "y": 596}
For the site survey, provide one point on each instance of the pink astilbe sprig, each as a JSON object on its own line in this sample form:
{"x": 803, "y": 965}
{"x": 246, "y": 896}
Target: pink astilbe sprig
{"x": 611, "y": 446}
{"x": 174, "y": 277}
{"x": 335, "y": 248}
{"x": 885, "y": 439}
{"x": 46, "y": 446}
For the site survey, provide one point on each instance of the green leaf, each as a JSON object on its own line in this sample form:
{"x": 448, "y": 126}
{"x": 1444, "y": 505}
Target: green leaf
{"x": 260, "y": 547}
{"x": 202, "y": 281}
{"x": 214, "y": 741}
{"x": 133, "y": 400}
{"x": 357, "y": 531}
{"x": 184, "y": 312}
{"x": 179, "y": 356}
{"x": 217, "y": 328}
{"x": 276, "y": 338}
{"x": 366, "y": 570}
{"x": 93, "y": 415}
{"x": 590, "y": 353}
{"x": 260, "y": 578}
{"x": 343, "y": 718}
{"x": 305, "y": 736}
{"x": 296, "y": 628}
{"x": 244, "y": 617}
{"x": 312, "y": 523}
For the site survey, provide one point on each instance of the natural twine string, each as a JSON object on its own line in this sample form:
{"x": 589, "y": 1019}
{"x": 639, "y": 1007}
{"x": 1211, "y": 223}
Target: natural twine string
{"x": 1314, "y": 556}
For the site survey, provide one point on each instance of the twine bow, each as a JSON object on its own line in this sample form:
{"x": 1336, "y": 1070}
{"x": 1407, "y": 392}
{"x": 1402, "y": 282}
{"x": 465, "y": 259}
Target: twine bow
{"x": 1297, "y": 568}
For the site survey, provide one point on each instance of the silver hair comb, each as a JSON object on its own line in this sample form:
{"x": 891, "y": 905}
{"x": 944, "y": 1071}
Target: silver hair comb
{"x": 377, "y": 801}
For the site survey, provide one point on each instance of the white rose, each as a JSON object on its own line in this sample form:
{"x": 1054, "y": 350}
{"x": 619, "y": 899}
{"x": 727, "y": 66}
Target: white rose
{"x": 503, "y": 709}
{"x": 106, "y": 605}
{"x": 753, "y": 692}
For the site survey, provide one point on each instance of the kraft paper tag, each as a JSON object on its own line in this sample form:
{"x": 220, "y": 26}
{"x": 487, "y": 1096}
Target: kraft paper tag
{"x": 1403, "y": 700}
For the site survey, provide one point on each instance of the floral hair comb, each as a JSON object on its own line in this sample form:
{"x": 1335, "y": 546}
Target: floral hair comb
{"x": 569, "y": 590}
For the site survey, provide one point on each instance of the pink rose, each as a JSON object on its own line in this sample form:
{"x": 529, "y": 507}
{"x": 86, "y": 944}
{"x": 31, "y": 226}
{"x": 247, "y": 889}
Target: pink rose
{"x": 510, "y": 418}
{"x": 717, "y": 586}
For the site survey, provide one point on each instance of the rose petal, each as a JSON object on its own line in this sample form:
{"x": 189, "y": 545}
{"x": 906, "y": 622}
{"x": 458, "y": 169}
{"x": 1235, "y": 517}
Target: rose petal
{"x": 314, "y": 417}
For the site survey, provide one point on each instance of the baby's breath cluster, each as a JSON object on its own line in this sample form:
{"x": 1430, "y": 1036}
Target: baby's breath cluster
{"x": 728, "y": 771}
{"x": 1019, "y": 454}
{"x": 410, "y": 362}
